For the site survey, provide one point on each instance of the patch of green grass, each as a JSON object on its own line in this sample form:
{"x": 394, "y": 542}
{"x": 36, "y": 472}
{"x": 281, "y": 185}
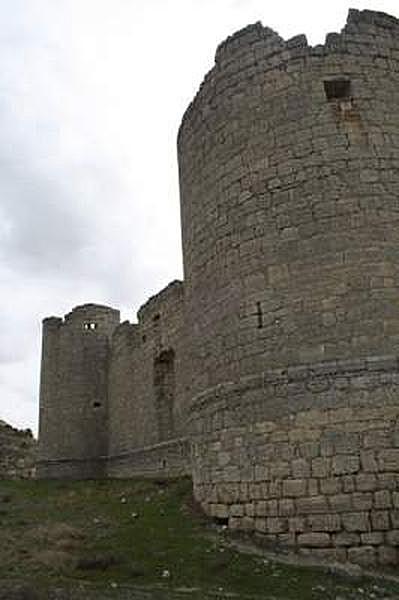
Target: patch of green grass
{"x": 142, "y": 533}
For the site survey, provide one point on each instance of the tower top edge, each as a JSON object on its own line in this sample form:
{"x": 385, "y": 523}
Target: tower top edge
{"x": 89, "y": 310}
{"x": 255, "y": 36}
{"x": 256, "y": 32}
{"x": 94, "y": 306}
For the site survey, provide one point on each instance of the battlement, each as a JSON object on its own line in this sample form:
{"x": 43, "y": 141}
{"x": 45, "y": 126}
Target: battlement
{"x": 251, "y": 36}
{"x": 260, "y": 49}
{"x": 87, "y": 318}
{"x": 258, "y": 37}
{"x": 367, "y": 18}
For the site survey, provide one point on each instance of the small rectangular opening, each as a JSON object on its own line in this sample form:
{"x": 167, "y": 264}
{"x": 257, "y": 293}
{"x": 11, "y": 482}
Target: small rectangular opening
{"x": 259, "y": 314}
{"x": 90, "y": 326}
{"x": 221, "y": 521}
{"x": 337, "y": 89}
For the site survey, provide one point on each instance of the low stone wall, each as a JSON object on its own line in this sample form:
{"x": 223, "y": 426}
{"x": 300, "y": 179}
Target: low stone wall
{"x": 167, "y": 459}
{"x": 307, "y": 457}
{"x": 72, "y": 468}
{"x": 17, "y": 453}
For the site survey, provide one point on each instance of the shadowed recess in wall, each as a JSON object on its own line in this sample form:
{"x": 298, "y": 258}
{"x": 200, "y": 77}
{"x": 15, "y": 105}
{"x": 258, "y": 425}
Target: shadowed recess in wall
{"x": 164, "y": 388}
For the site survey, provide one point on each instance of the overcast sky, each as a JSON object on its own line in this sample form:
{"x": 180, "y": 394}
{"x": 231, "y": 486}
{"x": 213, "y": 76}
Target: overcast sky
{"x": 91, "y": 96}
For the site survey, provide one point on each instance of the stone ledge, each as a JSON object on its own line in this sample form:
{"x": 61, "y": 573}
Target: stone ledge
{"x": 183, "y": 442}
{"x": 317, "y": 372}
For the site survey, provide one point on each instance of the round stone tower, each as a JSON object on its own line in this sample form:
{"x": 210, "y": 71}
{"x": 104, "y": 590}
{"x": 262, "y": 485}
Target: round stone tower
{"x": 73, "y": 393}
{"x": 289, "y": 175}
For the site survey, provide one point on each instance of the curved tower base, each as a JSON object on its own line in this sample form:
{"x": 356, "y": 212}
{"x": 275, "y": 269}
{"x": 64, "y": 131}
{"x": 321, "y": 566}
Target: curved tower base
{"x": 308, "y": 458}
{"x": 289, "y": 177}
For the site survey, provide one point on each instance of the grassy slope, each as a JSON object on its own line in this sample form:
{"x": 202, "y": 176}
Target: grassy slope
{"x": 116, "y": 534}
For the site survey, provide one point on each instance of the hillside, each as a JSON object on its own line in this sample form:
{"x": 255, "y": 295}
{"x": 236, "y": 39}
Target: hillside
{"x": 17, "y": 452}
{"x": 142, "y": 540}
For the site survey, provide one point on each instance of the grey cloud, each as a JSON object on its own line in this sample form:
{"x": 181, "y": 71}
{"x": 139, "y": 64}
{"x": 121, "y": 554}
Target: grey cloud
{"x": 43, "y": 232}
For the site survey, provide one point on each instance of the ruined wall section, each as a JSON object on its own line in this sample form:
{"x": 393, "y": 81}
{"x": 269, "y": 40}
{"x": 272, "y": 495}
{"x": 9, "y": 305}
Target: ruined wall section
{"x": 73, "y": 425}
{"x": 147, "y": 390}
{"x": 289, "y": 174}
{"x": 17, "y": 453}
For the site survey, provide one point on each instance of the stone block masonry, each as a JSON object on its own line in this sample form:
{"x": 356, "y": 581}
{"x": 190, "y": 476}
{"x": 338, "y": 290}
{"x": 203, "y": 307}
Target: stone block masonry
{"x": 310, "y": 460}
{"x": 73, "y": 428}
{"x": 112, "y": 394}
{"x": 17, "y": 453}
{"x": 271, "y": 372}
{"x": 289, "y": 164}
{"x": 146, "y": 383}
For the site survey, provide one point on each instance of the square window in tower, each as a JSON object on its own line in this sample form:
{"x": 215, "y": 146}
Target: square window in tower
{"x": 337, "y": 89}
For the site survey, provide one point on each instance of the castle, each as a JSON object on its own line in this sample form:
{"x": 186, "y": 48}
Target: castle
{"x": 270, "y": 374}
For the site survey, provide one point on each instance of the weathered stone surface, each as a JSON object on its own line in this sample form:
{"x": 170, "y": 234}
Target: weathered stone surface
{"x": 219, "y": 511}
{"x": 329, "y": 522}
{"x": 346, "y": 538}
{"x": 363, "y": 555}
{"x": 356, "y": 521}
{"x": 393, "y": 537}
{"x": 343, "y": 464}
{"x": 380, "y": 520}
{"x": 294, "y": 487}
{"x": 315, "y": 540}
{"x": 315, "y": 504}
{"x": 17, "y": 453}
{"x": 372, "y": 538}
{"x": 387, "y": 555}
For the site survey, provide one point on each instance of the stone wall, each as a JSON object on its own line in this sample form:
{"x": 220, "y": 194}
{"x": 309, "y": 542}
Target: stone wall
{"x": 308, "y": 458}
{"x": 17, "y": 453}
{"x": 289, "y": 176}
{"x": 147, "y": 383}
{"x": 163, "y": 460}
{"x": 114, "y": 391}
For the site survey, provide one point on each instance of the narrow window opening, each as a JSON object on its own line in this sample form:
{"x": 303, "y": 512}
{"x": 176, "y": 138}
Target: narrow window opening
{"x": 90, "y": 326}
{"x": 144, "y": 338}
{"x": 337, "y": 89}
{"x": 163, "y": 463}
{"x": 156, "y": 317}
{"x": 96, "y": 404}
{"x": 259, "y": 314}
